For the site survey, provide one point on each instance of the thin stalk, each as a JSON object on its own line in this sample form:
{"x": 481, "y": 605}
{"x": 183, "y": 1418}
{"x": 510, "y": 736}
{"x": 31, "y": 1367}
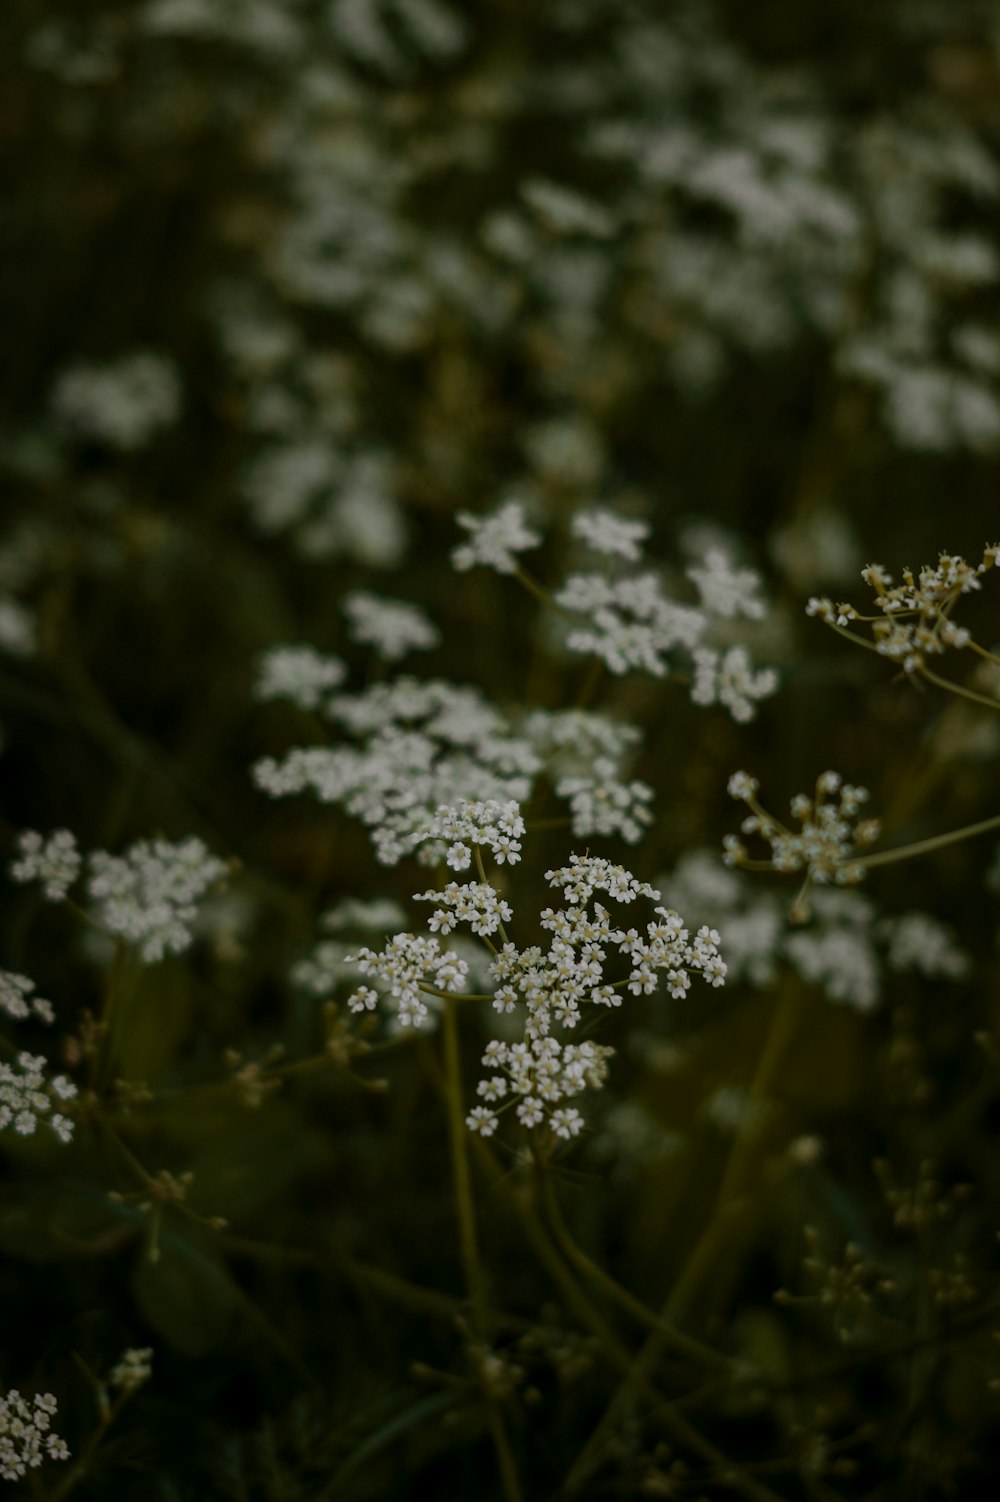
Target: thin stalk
{"x": 956, "y": 688}
{"x": 684, "y": 1345}
{"x": 921, "y": 847}
{"x": 465, "y": 1208}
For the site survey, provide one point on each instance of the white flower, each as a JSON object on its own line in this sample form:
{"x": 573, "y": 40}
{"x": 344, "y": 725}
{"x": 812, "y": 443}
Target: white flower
{"x": 134, "y": 1368}
{"x": 482, "y": 1120}
{"x": 404, "y": 967}
{"x": 17, "y": 1002}
{"x": 495, "y": 539}
{"x": 150, "y": 894}
{"x": 727, "y": 591}
{"x": 54, "y": 861}
{"x": 27, "y": 1097}
{"x": 392, "y": 627}
{"x": 615, "y": 536}
{"x": 631, "y": 624}
{"x": 124, "y": 403}
{"x": 298, "y": 673}
{"x": 728, "y": 678}
{"x": 26, "y": 1435}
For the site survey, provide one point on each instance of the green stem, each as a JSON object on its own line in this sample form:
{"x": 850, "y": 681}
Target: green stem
{"x": 955, "y": 688}
{"x": 921, "y": 847}
{"x": 684, "y": 1345}
{"x": 465, "y": 1207}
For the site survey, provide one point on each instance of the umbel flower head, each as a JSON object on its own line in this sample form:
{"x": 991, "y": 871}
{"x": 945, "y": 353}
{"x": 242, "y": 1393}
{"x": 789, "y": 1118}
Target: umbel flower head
{"x": 826, "y": 844}
{"x": 26, "y": 1436}
{"x": 589, "y": 961}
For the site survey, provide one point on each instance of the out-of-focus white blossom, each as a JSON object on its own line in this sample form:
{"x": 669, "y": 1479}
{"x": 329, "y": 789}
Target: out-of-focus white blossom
{"x": 125, "y": 403}
{"x": 17, "y": 1002}
{"x": 133, "y": 1370}
{"x": 615, "y": 536}
{"x": 53, "y": 860}
{"x": 495, "y": 539}
{"x": 28, "y": 1098}
{"x": 150, "y": 895}
{"x": 727, "y": 591}
{"x": 298, "y": 673}
{"x": 393, "y": 628}
{"x": 729, "y": 678}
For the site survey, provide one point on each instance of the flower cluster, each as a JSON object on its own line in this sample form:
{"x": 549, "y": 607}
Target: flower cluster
{"x": 541, "y": 1072}
{"x": 825, "y": 845}
{"x": 133, "y": 1370}
{"x": 392, "y": 628}
{"x": 476, "y": 903}
{"x": 17, "y": 1002}
{"x": 729, "y": 678}
{"x": 488, "y": 823}
{"x": 54, "y": 861}
{"x": 150, "y": 895}
{"x": 915, "y": 621}
{"x": 409, "y": 968}
{"x": 28, "y": 1098}
{"x": 631, "y": 624}
{"x": 26, "y": 1434}
{"x": 495, "y": 539}
{"x": 727, "y": 591}
{"x": 298, "y": 673}
{"x": 123, "y": 404}
{"x": 614, "y": 536}
{"x": 420, "y": 740}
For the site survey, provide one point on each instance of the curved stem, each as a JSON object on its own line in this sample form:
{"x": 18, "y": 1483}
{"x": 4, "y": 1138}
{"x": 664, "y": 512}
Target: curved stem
{"x": 956, "y": 688}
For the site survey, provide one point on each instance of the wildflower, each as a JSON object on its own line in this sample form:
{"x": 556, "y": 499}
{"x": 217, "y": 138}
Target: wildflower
{"x": 495, "y": 539}
{"x": 727, "y": 591}
{"x": 150, "y": 894}
{"x": 615, "y": 536}
{"x": 26, "y": 1435}
{"x": 727, "y": 678}
{"x": 124, "y": 403}
{"x": 28, "y": 1098}
{"x": 134, "y": 1369}
{"x": 54, "y": 861}
{"x": 392, "y": 627}
{"x": 17, "y": 1002}
{"x": 298, "y": 673}
{"x": 406, "y": 965}
{"x": 825, "y": 846}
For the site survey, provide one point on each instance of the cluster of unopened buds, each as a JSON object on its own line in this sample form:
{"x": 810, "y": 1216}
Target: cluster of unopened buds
{"x": 825, "y": 845}
{"x": 913, "y": 619}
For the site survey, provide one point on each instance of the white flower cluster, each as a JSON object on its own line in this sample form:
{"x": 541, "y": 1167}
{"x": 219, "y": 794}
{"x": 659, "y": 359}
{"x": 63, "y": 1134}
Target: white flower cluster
{"x": 28, "y": 1098}
{"x": 407, "y": 964}
{"x": 548, "y": 987}
{"x": 614, "y": 536}
{"x": 584, "y": 753}
{"x": 17, "y": 1002}
{"x": 392, "y": 628}
{"x": 150, "y": 895}
{"x": 298, "y": 673}
{"x": 842, "y": 950}
{"x": 124, "y": 404}
{"x": 541, "y": 1072}
{"x": 729, "y": 678}
{"x": 727, "y": 591}
{"x": 495, "y": 539}
{"x": 133, "y": 1370}
{"x": 54, "y": 861}
{"x": 487, "y": 823}
{"x": 825, "y": 845}
{"x": 420, "y": 741}
{"x": 915, "y": 616}
{"x": 26, "y": 1434}
{"x": 476, "y": 903}
{"x": 630, "y": 622}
